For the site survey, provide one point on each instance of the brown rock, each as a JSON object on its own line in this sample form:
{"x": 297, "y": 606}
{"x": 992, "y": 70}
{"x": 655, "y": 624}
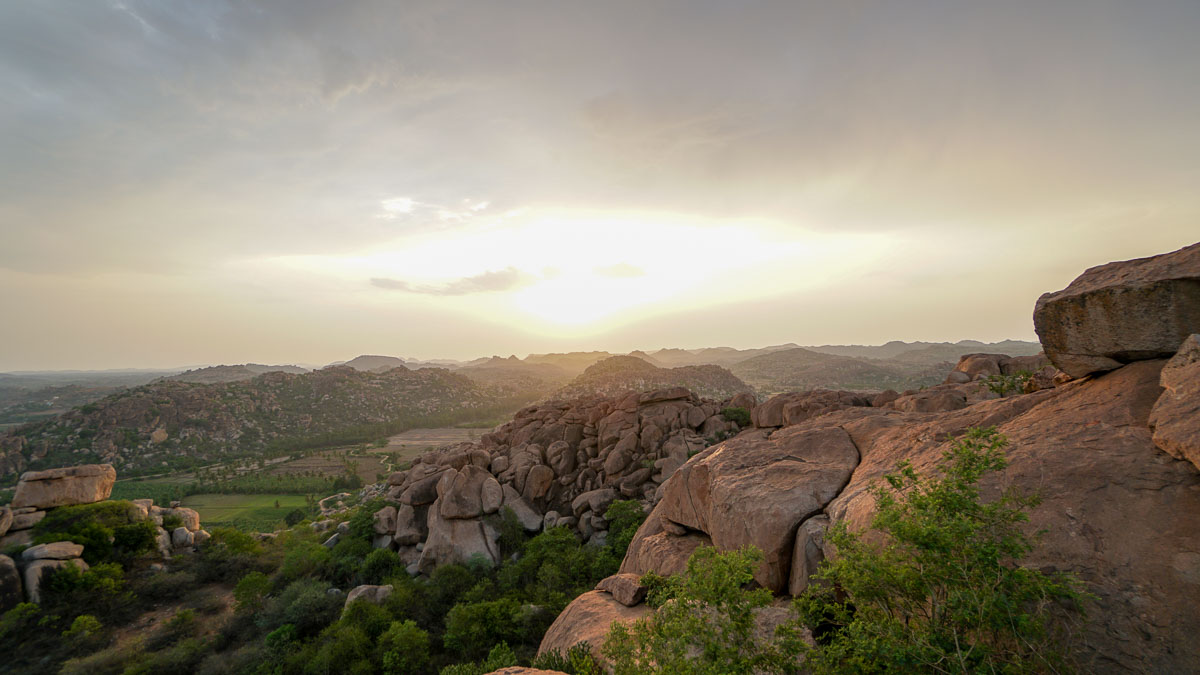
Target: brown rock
{"x": 530, "y": 520}
{"x": 538, "y": 482}
{"x": 522, "y": 670}
{"x": 654, "y": 550}
{"x": 59, "y": 550}
{"x": 456, "y": 541}
{"x": 1175, "y": 418}
{"x": 384, "y": 520}
{"x": 755, "y": 489}
{"x": 66, "y": 486}
{"x": 6, "y": 519}
{"x": 376, "y": 595}
{"x": 587, "y": 619}
{"x": 975, "y": 366}
{"x": 408, "y": 526}
{"x": 808, "y": 553}
{"x": 24, "y": 521}
{"x": 467, "y": 492}
{"x": 1122, "y": 312}
{"x": 626, "y": 589}
{"x": 743, "y": 400}
{"x": 10, "y": 584}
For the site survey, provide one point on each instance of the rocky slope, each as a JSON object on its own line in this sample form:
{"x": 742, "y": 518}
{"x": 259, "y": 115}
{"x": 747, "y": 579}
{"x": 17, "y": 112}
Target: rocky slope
{"x": 800, "y": 369}
{"x": 166, "y": 422}
{"x": 621, "y": 374}
{"x": 1112, "y": 453}
{"x": 218, "y": 374}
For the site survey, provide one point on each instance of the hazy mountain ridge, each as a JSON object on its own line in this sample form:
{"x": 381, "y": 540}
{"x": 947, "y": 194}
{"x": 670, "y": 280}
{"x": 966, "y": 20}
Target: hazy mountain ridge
{"x": 218, "y": 374}
{"x": 620, "y": 374}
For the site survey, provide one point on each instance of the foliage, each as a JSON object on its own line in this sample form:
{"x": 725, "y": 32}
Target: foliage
{"x": 501, "y": 656}
{"x": 624, "y": 518}
{"x": 945, "y": 592}
{"x": 471, "y": 629}
{"x": 1003, "y": 385}
{"x": 250, "y": 592}
{"x": 577, "y": 661}
{"x": 83, "y": 628}
{"x": 405, "y": 648}
{"x": 738, "y": 415}
{"x": 703, "y": 623}
{"x": 170, "y": 522}
{"x": 108, "y": 531}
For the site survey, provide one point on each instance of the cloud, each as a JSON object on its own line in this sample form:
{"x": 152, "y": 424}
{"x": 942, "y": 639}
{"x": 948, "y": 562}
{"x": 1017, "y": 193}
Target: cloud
{"x": 620, "y": 271}
{"x": 506, "y": 279}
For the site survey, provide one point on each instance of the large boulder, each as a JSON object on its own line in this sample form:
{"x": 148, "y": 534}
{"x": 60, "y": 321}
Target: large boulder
{"x": 457, "y": 540}
{"x": 1122, "y": 312}
{"x": 653, "y": 549}
{"x": 10, "y": 584}
{"x": 59, "y": 550}
{"x": 587, "y": 619}
{"x": 375, "y": 595}
{"x": 66, "y": 486}
{"x": 1175, "y": 418}
{"x": 756, "y": 488}
{"x": 625, "y": 588}
{"x": 6, "y": 518}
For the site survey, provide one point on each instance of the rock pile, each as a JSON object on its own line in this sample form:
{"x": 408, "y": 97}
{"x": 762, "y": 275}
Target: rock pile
{"x": 42, "y": 491}
{"x": 1120, "y": 510}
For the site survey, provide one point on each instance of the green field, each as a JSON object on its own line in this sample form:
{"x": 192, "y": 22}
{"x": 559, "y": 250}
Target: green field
{"x": 232, "y": 509}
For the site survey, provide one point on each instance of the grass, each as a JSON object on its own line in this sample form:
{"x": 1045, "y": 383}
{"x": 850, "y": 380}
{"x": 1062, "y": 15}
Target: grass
{"x": 218, "y": 509}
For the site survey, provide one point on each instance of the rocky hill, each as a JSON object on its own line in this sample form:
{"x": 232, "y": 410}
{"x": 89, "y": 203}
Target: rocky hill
{"x": 801, "y": 369}
{"x": 217, "y": 374}
{"x": 374, "y": 363}
{"x": 622, "y": 374}
{"x": 171, "y": 424}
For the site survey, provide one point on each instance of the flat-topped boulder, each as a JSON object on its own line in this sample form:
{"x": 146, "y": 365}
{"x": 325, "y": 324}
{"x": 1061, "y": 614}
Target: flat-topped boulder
{"x": 59, "y": 550}
{"x": 66, "y": 486}
{"x": 1122, "y": 312}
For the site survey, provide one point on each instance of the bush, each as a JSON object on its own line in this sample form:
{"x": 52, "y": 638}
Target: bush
{"x": 945, "y": 591}
{"x": 170, "y": 522}
{"x": 624, "y": 518}
{"x": 380, "y": 564}
{"x": 250, "y": 592}
{"x": 739, "y": 416}
{"x": 405, "y": 648}
{"x": 305, "y": 604}
{"x": 703, "y": 623}
{"x": 577, "y": 661}
{"x": 472, "y": 629}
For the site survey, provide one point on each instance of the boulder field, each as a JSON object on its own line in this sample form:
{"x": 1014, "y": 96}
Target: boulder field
{"x": 1112, "y": 452}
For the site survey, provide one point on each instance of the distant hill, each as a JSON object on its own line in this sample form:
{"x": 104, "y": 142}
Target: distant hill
{"x": 374, "y": 364}
{"x": 216, "y": 374}
{"x": 803, "y": 369}
{"x": 516, "y": 375}
{"x": 930, "y": 352}
{"x": 619, "y": 374}
{"x": 172, "y": 424}
{"x": 573, "y": 363}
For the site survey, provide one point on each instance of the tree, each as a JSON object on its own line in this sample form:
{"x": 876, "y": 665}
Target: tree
{"x": 945, "y": 592}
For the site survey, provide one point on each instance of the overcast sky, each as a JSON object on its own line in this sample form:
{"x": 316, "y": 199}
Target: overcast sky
{"x": 212, "y": 182}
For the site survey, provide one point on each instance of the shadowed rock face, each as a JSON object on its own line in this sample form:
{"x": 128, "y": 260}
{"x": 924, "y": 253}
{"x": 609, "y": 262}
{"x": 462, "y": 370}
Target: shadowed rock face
{"x": 1122, "y": 312}
{"x": 1175, "y": 418}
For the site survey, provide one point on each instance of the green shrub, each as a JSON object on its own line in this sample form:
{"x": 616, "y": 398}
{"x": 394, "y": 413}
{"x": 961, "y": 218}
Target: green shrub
{"x": 305, "y": 604}
{"x": 624, "y": 518}
{"x": 170, "y": 522}
{"x": 577, "y": 661}
{"x": 1003, "y": 385}
{"x": 250, "y": 592}
{"x": 501, "y": 656}
{"x": 703, "y": 623}
{"x": 738, "y": 415}
{"x": 83, "y": 628}
{"x": 473, "y": 629}
{"x": 405, "y": 649}
{"x": 945, "y": 591}
{"x": 380, "y": 564}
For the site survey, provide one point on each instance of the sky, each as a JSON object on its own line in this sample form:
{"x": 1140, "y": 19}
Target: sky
{"x": 300, "y": 182}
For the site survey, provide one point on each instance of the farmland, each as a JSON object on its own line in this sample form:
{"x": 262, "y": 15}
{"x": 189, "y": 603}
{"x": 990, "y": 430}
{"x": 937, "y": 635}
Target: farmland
{"x": 261, "y": 512}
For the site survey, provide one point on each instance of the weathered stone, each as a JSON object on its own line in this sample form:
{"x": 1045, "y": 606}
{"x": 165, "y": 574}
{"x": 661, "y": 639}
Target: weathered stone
{"x": 190, "y": 518}
{"x": 376, "y": 595}
{"x": 538, "y": 481}
{"x": 24, "y": 521}
{"x": 1122, "y": 312}
{"x": 59, "y": 550}
{"x": 6, "y": 518}
{"x": 200, "y": 536}
{"x": 36, "y": 571}
{"x": 808, "y": 553}
{"x": 408, "y": 526}
{"x": 461, "y": 493}
{"x": 332, "y": 540}
{"x": 530, "y": 520}
{"x": 626, "y": 589}
{"x": 1175, "y": 418}
{"x": 756, "y": 488}
{"x": 181, "y": 537}
{"x": 143, "y": 506}
{"x": 561, "y": 457}
{"x": 587, "y": 619}
{"x": 933, "y": 400}
{"x": 595, "y": 501}
{"x": 384, "y": 520}
{"x": 491, "y": 495}
{"x": 423, "y": 490}
{"x": 66, "y": 486}
{"x": 456, "y": 541}
{"x": 654, "y": 550}
{"x": 383, "y": 541}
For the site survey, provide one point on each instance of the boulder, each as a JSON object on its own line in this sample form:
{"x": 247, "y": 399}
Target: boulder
{"x": 538, "y": 482}
{"x": 756, "y": 488}
{"x": 66, "y": 486}
{"x": 24, "y": 521}
{"x": 181, "y": 537}
{"x": 36, "y": 571}
{"x": 461, "y": 494}
{"x": 655, "y": 550}
{"x": 457, "y": 540}
{"x": 10, "y": 584}
{"x": 522, "y": 670}
{"x": 626, "y": 589}
{"x": 808, "y": 553}
{"x": 1121, "y": 312}
{"x": 143, "y": 506}
{"x": 6, "y": 519}
{"x": 384, "y": 520}
{"x": 190, "y": 518}
{"x": 530, "y": 519}
{"x": 975, "y": 366}
{"x": 1175, "y": 418}
{"x": 199, "y": 537}
{"x": 744, "y": 400}
{"x": 376, "y": 595}
{"x": 408, "y": 526}
{"x": 596, "y": 501}
{"x": 59, "y": 550}
{"x": 587, "y": 619}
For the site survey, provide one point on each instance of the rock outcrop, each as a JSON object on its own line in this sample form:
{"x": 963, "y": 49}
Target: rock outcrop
{"x": 66, "y": 486}
{"x": 11, "y": 592}
{"x": 1119, "y": 508}
{"x": 1122, "y": 312}
{"x": 587, "y": 619}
